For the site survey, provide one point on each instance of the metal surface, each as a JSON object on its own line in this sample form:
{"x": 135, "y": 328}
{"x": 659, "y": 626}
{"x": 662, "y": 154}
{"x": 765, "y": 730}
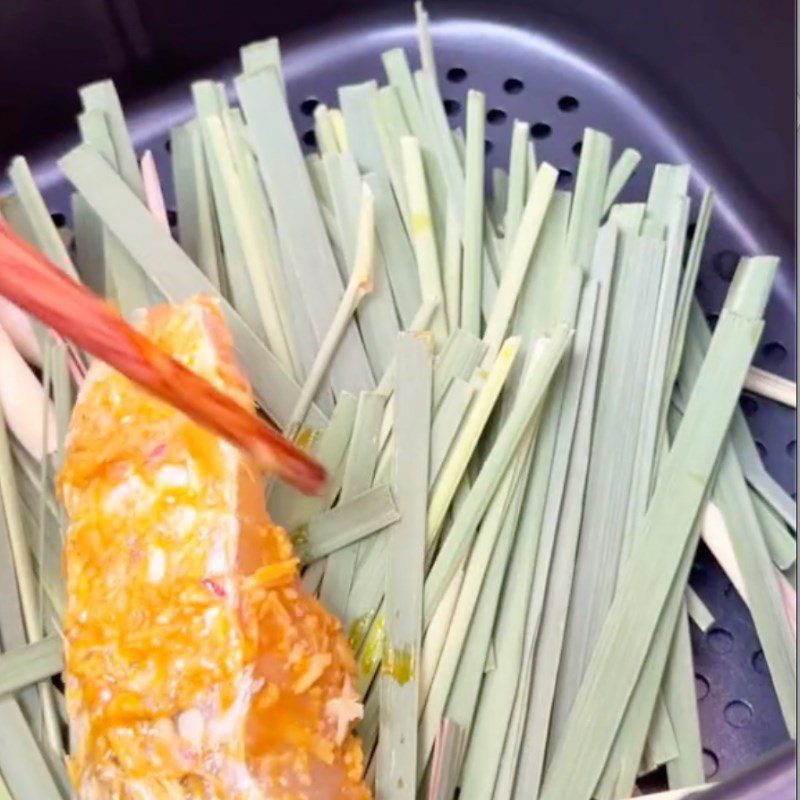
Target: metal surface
{"x": 525, "y": 73}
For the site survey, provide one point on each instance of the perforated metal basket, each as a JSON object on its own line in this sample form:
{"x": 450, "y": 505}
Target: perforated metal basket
{"x": 563, "y": 84}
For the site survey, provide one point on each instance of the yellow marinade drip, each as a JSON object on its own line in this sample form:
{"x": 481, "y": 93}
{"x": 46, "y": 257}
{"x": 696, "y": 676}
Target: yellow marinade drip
{"x": 185, "y": 612}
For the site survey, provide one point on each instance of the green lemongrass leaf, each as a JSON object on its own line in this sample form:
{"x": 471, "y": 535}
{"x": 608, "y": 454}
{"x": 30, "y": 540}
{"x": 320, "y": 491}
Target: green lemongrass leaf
{"x": 669, "y": 182}
{"x": 358, "y": 286}
{"x": 377, "y": 318}
{"x": 499, "y": 199}
{"x": 89, "y": 256}
{"x": 397, "y": 251}
{"x": 22, "y": 764}
{"x": 399, "y": 683}
{"x": 681, "y": 702}
{"x": 517, "y": 182}
{"x": 31, "y": 664}
{"x": 359, "y": 470}
{"x": 587, "y": 204}
{"x": 198, "y": 231}
{"x": 332, "y": 531}
{"x": 657, "y": 366}
{"x": 449, "y": 416}
{"x": 290, "y": 509}
{"x": 391, "y": 126}
{"x": 424, "y": 38}
{"x": 45, "y": 233}
{"x": 357, "y": 103}
{"x": 324, "y": 132}
{"x": 782, "y": 545}
{"x": 619, "y": 175}
{"x": 485, "y": 566}
{"x": 595, "y": 717}
{"x": 175, "y": 275}
{"x": 455, "y": 465}
{"x": 102, "y": 96}
{"x": 451, "y": 270}
{"x": 265, "y": 54}
{"x": 701, "y": 614}
{"x": 520, "y": 257}
{"x": 123, "y": 278}
{"x": 312, "y": 576}
{"x": 251, "y": 241}
{"x": 473, "y": 214}
{"x": 293, "y": 319}
{"x": 400, "y": 79}
{"x": 628, "y": 216}
{"x": 544, "y": 360}
{"x": 422, "y": 234}
{"x": 304, "y": 244}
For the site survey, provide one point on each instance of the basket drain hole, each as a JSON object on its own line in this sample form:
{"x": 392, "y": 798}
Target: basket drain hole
{"x": 710, "y": 763}
{"x": 568, "y": 103}
{"x": 456, "y": 74}
{"x": 513, "y": 86}
{"x": 773, "y": 353}
{"x": 701, "y": 687}
{"x": 720, "y": 640}
{"x": 308, "y": 106}
{"x": 451, "y": 107}
{"x": 738, "y": 714}
{"x": 760, "y": 663}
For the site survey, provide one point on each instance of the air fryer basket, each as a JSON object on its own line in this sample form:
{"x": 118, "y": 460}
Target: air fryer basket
{"x": 532, "y": 76}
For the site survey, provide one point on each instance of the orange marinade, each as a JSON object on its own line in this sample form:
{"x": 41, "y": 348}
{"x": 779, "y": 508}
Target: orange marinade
{"x": 196, "y": 664}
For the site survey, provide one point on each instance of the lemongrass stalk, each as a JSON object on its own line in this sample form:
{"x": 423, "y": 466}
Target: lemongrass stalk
{"x": 520, "y": 257}
{"x": 424, "y": 38}
{"x": 464, "y": 446}
{"x": 397, "y": 251}
{"x": 771, "y": 386}
{"x": 312, "y": 576}
{"x": 349, "y": 522}
{"x": 359, "y": 285}
{"x": 304, "y": 245}
{"x": 486, "y": 563}
{"x": 399, "y": 684}
{"x": 452, "y": 270}
{"x": 649, "y": 571}
{"x": 253, "y": 252}
{"x": 544, "y": 361}
{"x": 356, "y": 103}
{"x": 44, "y": 229}
{"x": 154, "y": 197}
{"x": 619, "y": 175}
{"x": 29, "y": 665}
{"x": 377, "y": 318}
{"x": 24, "y": 402}
{"x": 265, "y": 54}
{"x": 399, "y": 75}
{"x": 359, "y": 470}
{"x": 473, "y": 214}
{"x": 587, "y": 204}
{"x": 517, "y": 183}
{"x": 102, "y": 96}
{"x": 448, "y": 421}
{"x": 391, "y": 126}
{"x": 327, "y": 142}
{"x": 700, "y": 613}
{"x": 422, "y": 235}
{"x": 628, "y": 217}
{"x": 294, "y": 324}
{"x": 496, "y": 205}
{"x": 197, "y": 225}
{"x": 436, "y": 634}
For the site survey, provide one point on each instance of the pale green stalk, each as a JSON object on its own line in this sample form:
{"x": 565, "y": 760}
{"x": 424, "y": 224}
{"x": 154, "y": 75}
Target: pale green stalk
{"x": 452, "y": 270}
{"x": 30, "y": 664}
{"x": 359, "y": 285}
{"x": 357, "y": 103}
{"x": 422, "y": 234}
{"x": 517, "y": 183}
{"x": 399, "y": 684}
{"x": 619, "y": 175}
{"x": 473, "y": 214}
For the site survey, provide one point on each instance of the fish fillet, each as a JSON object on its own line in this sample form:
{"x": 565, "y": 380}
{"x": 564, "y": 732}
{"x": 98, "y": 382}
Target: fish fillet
{"x": 196, "y": 665}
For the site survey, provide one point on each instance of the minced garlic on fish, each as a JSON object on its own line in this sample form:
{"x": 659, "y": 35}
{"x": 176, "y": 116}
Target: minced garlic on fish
{"x": 196, "y": 665}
